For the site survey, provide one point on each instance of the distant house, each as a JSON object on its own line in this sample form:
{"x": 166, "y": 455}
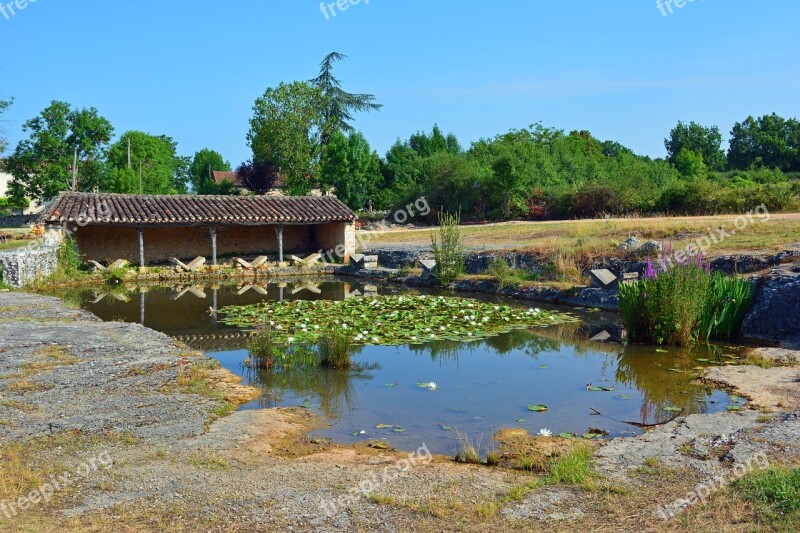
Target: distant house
{"x": 221, "y": 176}
{"x": 5, "y": 180}
{"x": 148, "y": 229}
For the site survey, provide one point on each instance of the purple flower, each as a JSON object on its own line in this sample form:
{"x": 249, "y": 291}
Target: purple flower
{"x": 645, "y": 295}
{"x": 649, "y": 271}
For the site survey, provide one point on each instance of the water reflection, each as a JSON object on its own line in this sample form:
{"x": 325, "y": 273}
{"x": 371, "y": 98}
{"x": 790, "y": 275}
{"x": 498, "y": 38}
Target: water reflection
{"x": 483, "y": 385}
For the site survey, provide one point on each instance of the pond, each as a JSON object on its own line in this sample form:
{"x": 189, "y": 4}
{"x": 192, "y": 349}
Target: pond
{"x": 482, "y": 386}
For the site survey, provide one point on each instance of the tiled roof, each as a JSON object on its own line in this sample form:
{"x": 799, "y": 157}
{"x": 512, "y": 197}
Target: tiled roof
{"x": 127, "y": 209}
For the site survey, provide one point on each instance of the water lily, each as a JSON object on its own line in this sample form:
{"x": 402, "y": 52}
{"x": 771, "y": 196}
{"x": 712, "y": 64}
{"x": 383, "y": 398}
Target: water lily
{"x": 544, "y": 432}
{"x": 290, "y": 340}
{"x": 432, "y": 385}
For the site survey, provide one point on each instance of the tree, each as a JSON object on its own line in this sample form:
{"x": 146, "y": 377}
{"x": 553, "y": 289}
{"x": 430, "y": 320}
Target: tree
{"x": 258, "y": 176}
{"x": 340, "y": 105}
{"x": 427, "y": 145}
{"x": 285, "y": 131}
{"x": 769, "y": 141}
{"x": 690, "y": 164}
{"x": 162, "y": 170}
{"x": 42, "y": 163}
{"x": 351, "y": 168}
{"x": 4, "y": 104}
{"x": 204, "y": 163}
{"x": 705, "y": 141}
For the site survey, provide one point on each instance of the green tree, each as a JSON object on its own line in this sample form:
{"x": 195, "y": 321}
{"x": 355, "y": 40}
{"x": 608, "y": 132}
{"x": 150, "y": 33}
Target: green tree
{"x": 705, "y": 141}
{"x": 769, "y": 141}
{"x": 690, "y": 164}
{"x": 286, "y": 131}
{"x": 42, "y": 163}
{"x": 340, "y": 105}
{"x": 162, "y": 170}
{"x": 4, "y": 104}
{"x": 206, "y": 161}
{"x": 351, "y": 168}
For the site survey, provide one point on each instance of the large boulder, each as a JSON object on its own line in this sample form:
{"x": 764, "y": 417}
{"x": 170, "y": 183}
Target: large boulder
{"x": 775, "y": 313}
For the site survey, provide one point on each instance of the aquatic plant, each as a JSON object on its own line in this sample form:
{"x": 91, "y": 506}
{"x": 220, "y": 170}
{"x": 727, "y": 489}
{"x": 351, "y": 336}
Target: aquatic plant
{"x": 448, "y": 248}
{"x": 389, "y": 320}
{"x": 684, "y": 303}
{"x": 334, "y": 347}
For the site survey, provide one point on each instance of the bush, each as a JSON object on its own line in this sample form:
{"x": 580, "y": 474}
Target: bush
{"x": 69, "y": 261}
{"x": 448, "y": 248}
{"x": 684, "y": 303}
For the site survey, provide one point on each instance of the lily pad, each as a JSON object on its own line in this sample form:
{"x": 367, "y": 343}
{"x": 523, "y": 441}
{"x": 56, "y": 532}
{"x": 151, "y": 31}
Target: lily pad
{"x": 390, "y": 385}
{"x": 520, "y": 420}
{"x": 590, "y": 436}
{"x": 446, "y": 428}
{"x": 602, "y": 389}
{"x": 538, "y": 408}
{"x": 566, "y": 435}
{"x": 384, "y": 426}
{"x": 543, "y": 367}
{"x": 734, "y": 408}
{"x": 625, "y": 397}
{"x": 399, "y": 430}
{"x": 673, "y": 409}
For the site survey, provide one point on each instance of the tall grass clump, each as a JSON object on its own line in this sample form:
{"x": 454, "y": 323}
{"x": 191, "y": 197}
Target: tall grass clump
{"x": 507, "y": 276}
{"x": 69, "y": 261}
{"x": 263, "y": 350}
{"x": 683, "y": 304}
{"x": 574, "y": 468}
{"x": 448, "y": 248}
{"x": 335, "y": 348}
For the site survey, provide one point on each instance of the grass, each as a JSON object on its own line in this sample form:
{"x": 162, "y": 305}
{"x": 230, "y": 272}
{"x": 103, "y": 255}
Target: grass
{"x": 574, "y": 468}
{"x": 335, "y": 348}
{"x": 602, "y": 237}
{"x": 468, "y": 452}
{"x": 775, "y": 492}
{"x": 210, "y": 462}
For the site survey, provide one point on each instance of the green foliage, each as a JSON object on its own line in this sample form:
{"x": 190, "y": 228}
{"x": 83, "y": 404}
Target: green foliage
{"x": 507, "y": 276}
{"x": 727, "y": 303}
{"x": 42, "y": 163}
{"x": 286, "y": 131}
{"x": 9, "y": 203}
{"x": 683, "y": 304}
{"x": 335, "y": 347}
{"x": 702, "y": 141}
{"x": 162, "y": 170}
{"x": 262, "y": 348}
{"x": 352, "y": 169}
{"x": 690, "y": 164}
{"x": 448, "y": 248}
{"x": 339, "y": 104}
{"x": 776, "y": 494}
{"x": 767, "y": 142}
{"x": 114, "y": 276}
{"x": 69, "y": 261}
{"x": 203, "y": 164}
{"x": 574, "y": 468}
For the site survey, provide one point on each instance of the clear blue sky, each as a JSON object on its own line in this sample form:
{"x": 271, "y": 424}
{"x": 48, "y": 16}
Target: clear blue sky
{"x": 191, "y": 69}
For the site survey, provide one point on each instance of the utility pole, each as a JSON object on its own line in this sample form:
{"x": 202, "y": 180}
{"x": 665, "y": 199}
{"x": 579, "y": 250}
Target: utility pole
{"x": 140, "y": 176}
{"x": 129, "y": 151}
{"x": 75, "y": 170}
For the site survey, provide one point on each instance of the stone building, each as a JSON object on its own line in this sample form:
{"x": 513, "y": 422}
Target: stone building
{"x": 147, "y": 229}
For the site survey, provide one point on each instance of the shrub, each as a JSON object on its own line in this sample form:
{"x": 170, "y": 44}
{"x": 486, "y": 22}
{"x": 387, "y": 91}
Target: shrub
{"x": 448, "y": 248}
{"x": 69, "y": 261}
{"x": 114, "y": 276}
{"x": 263, "y": 351}
{"x": 681, "y": 304}
{"x": 335, "y": 348}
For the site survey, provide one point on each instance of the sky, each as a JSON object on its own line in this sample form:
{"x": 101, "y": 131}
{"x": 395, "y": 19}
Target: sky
{"x": 191, "y": 69}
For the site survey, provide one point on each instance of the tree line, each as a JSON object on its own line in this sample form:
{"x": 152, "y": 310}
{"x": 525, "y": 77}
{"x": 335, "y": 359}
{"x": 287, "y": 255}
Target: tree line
{"x": 301, "y": 136}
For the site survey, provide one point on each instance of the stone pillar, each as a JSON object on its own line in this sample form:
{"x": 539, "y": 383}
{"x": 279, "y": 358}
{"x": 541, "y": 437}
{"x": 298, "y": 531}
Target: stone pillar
{"x": 213, "y": 231}
{"x": 141, "y": 246}
{"x": 279, "y": 233}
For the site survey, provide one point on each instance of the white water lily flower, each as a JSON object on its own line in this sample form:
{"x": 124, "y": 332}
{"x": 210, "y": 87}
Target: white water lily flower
{"x": 473, "y": 323}
{"x": 278, "y": 327}
{"x": 485, "y": 319}
{"x": 375, "y": 339}
{"x": 544, "y": 432}
{"x": 432, "y": 385}
{"x": 442, "y": 328}
{"x": 469, "y": 334}
{"x": 290, "y": 340}
{"x": 316, "y": 326}
{"x": 365, "y": 332}
{"x": 536, "y": 310}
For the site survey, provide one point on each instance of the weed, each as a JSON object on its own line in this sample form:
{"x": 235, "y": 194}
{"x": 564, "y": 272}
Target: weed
{"x": 574, "y": 468}
{"x": 776, "y": 494}
{"x": 335, "y": 348}
{"x": 448, "y": 248}
{"x": 468, "y": 451}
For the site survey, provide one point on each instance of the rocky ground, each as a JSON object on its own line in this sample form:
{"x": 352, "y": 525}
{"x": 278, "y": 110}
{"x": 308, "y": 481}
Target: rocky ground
{"x": 74, "y": 389}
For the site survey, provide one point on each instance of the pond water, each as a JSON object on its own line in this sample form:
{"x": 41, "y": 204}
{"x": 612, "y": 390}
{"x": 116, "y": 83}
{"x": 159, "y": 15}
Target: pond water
{"x": 483, "y": 385}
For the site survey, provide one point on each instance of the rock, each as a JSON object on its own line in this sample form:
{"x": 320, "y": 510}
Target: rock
{"x": 650, "y": 247}
{"x": 630, "y": 245}
{"x": 775, "y": 313}
{"x": 603, "y": 279}
{"x": 361, "y": 262}
{"x": 428, "y": 266}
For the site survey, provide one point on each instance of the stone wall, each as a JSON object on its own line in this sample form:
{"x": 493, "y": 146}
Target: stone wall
{"x": 775, "y": 313}
{"x": 22, "y": 267}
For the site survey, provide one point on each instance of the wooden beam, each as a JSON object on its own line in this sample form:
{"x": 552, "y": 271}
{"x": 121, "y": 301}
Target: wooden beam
{"x": 141, "y": 246}
{"x": 213, "y": 231}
